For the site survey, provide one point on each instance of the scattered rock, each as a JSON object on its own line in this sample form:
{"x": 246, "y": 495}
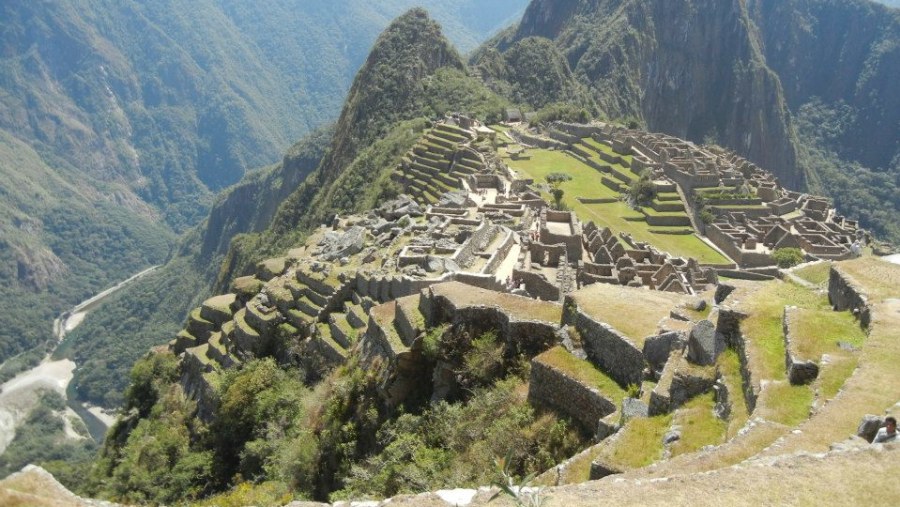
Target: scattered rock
{"x": 672, "y": 436}
{"x": 846, "y": 346}
{"x": 869, "y": 426}
{"x": 336, "y": 245}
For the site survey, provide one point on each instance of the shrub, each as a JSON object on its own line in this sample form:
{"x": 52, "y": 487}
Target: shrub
{"x": 642, "y": 191}
{"x": 787, "y": 257}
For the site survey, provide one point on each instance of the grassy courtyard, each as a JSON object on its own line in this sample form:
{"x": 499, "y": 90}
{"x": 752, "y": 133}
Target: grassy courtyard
{"x": 618, "y": 216}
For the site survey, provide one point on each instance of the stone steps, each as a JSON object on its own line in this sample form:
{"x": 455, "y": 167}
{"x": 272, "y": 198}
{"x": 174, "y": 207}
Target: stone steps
{"x": 453, "y": 137}
{"x": 309, "y": 308}
{"x": 453, "y": 129}
{"x": 331, "y": 350}
{"x": 432, "y": 139}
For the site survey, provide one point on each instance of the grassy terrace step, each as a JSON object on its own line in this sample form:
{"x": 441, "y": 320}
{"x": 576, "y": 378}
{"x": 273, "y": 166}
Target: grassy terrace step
{"x": 668, "y": 196}
{"x": 218, "y": 309}
{"x": 341, "y": 330}
{"x": 437, "y": 149}
{"x": 383, "y": 317}
{"x": 198, "y": 326}
{"x": 315, "y": 297}
{"x": 667, "y": 206}
{"x": 332, "y": 348}
{"x": 584, "y": 372}
{"x": 260, "y": 320}
{"x": 863, "y": 392}
{"x": 439, "y": 141}
{"x": 356, "y": 315}
{"x": 438, "y": 166}
{"x": 632, "y": 311}
{"x": 516, "y": 307}
{"x": 299, "y": 319}
{"x": 408, "y": 320}
{"x": 217, "y": 351}
{"x": 309, "y": 308}
{"x": 244, "y": 333}
{"x": 282, "y": 296}
{"x": 468, "y": 166}
{"x": 453, "y": 137}
{"x": 422, "y": 168}
{"x": 446, "y": 127}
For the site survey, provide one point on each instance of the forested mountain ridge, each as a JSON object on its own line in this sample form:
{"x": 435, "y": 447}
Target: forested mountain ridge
{"x": 411, "y": 73}
{"x": 839, "y": 62}
{"x": 127, "y": 117}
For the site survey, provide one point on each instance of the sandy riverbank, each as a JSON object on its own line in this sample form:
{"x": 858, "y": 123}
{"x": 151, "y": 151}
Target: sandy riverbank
{"x": 19, "y": 395}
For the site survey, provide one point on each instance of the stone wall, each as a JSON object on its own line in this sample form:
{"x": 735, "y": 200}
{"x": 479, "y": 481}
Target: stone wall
{"x": 607, "y": 348}
{"x": 536, "y": 285}
{"x": 553, "y": 388}
{"x": 800, "y": 370}
{"x": 529, "y": 337}
{"x": 577, "y": 129}
{"x": 500, "y": 254}
{"x": 562, "y": 137}
{"x": 845, "y": 294}
{"x": 729, "y": 324}
{"x": 466, "y": 254}
{"x": 539, "y": 142}
{"x": 668, "y": 220}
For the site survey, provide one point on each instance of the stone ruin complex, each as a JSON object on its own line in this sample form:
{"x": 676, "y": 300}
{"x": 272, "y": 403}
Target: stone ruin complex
{"x": 474, "y": 247}
{"x": 753, "y": 215}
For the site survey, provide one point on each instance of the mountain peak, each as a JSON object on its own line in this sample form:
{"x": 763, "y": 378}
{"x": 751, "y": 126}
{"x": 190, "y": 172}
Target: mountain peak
{"x": 386, "y": 88}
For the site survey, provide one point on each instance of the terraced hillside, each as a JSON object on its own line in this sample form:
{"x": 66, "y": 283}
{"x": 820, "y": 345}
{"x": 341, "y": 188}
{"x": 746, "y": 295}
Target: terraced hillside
{"x": 438, "y": 163}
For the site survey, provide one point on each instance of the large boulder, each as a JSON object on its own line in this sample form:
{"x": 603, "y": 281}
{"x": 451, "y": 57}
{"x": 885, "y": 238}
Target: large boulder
{"x": 336, "y": 244}
{"x": 705, "y": 344}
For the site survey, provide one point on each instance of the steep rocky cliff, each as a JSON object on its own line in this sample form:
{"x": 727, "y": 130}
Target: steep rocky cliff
{"x": 843, "y": 55}
{"x": 692, "y": 69}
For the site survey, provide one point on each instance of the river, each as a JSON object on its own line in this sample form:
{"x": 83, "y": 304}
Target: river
{"x": 18, "y": 396}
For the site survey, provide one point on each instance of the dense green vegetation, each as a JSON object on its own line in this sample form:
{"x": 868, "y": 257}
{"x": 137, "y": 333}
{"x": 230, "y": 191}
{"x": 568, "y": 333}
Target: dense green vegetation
{"x": 145, "y": 314}
{"x": 871, "y": 196}
{"x": 532, "y": 71}
{"x": 334, "y": 440}
{"x": 98, "y": 107}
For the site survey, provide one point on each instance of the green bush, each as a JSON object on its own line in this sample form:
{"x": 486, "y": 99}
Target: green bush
{"x": 787, "y": 257}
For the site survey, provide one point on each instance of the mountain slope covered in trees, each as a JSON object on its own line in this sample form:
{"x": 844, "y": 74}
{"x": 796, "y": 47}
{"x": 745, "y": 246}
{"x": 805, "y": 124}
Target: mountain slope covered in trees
{"x": 125, "y": 118}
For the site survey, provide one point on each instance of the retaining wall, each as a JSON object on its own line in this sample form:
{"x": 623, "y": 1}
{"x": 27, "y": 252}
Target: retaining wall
{"x": 553, "y": 388}
{"x": 606, "y": 347}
